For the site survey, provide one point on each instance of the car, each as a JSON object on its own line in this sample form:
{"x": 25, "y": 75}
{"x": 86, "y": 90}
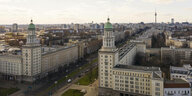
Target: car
{"x": 69, "y": 80}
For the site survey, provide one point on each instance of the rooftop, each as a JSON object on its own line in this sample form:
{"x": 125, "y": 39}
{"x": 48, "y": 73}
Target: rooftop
{"x": 143, "y": 68}
{"x": 31, "y": 26}
{"x": 176, "y": 83}
{"x": 125, "y": 49}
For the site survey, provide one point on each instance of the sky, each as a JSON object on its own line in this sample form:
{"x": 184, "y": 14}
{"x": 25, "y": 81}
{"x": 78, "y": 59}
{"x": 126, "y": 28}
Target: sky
{"x": 86, "y": 11}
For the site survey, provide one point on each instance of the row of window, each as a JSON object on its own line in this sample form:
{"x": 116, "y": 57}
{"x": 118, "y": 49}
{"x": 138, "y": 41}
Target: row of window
{"x": 177, "y": 92}
{"x": 133, "y": 90}
{"x": 130, "y": 74}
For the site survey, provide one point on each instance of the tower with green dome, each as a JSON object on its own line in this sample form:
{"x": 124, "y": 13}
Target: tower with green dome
{"x": 31, "y": 26}
{"x": 108, "y": 38}
{"x": 31, "y": 37}
{"x": 108, "y": 25}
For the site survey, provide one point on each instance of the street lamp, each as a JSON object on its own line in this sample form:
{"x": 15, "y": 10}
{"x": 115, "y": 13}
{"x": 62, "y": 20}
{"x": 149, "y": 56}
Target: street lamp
{"x": 56, "y": 84}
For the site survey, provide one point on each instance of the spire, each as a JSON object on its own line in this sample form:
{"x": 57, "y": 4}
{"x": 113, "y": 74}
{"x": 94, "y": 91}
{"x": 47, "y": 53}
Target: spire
{"x": 31, "y": 21}
{"x": 108, "y": 19}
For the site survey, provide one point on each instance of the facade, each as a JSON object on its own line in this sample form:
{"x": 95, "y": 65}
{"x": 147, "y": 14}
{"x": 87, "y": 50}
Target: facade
{"x": 176, "y": 55}
{"x": 179, "y": 43}
{"x": 117, "y": 76}
{"x": 127, "y": 54}
{"x": 181, "y": 73}
{"x": 141, "y": 48}
{"x": 177, "y": 87}
{"x": 135, "y": 80}
{"x": 52, "y": 60}
{"x": 11, "y": 65}
{"x": 81, "y": 47}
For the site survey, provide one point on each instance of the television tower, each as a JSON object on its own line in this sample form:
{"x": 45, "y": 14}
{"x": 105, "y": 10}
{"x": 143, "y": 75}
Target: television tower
{"x": 155, "y": 17}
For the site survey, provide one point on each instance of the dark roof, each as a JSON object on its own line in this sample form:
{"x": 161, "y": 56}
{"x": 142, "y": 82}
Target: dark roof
{"x": 176, "y": 83}
{"x": 143, "y": 68}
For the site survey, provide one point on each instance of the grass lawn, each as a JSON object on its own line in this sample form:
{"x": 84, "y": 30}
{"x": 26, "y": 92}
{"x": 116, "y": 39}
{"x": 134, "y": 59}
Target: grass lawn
{"x": 89, "y": 78}
{"x": 73, "y": 92}
{"x": 7, "y": 91}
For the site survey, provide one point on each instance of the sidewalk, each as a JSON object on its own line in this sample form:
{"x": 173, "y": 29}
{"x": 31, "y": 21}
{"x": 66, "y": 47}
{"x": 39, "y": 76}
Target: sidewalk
{"x": 92, "y": 90}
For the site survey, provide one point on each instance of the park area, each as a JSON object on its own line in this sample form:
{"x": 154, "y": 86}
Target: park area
{"x": 7, "y": 91}
{"x": 89, "y": 78}
{"x": 73, "y": 92}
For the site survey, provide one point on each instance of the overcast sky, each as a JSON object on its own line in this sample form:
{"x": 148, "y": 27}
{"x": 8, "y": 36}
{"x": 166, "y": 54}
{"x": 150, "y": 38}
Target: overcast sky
{"x": 85, "y": 11}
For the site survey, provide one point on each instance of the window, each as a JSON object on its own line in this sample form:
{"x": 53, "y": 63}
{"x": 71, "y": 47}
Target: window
{"x": 157, "y": 84}
{"x": 137, "y": 87}
{"x": 157, "y": 93}
{"x": 131, "y": 78}
{"x": 131, "y": 82}
{"x": 132, "y": 86}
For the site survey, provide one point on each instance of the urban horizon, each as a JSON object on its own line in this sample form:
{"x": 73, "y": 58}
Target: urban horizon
{"x": 65, "y": 11}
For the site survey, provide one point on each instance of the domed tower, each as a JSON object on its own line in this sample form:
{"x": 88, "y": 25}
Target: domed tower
{"x": 108, "y": 38}
{"x": 31, "y": 37}
{"x": 31, "y": 55}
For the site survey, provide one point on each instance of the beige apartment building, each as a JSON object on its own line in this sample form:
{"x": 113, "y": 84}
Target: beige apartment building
{"x": 60, "y": 57}
{"x": 118, "y": 76}
{"x": 136, "y": 80}
{"x": 11, "y": 65}
{"x": 176, "y": 55}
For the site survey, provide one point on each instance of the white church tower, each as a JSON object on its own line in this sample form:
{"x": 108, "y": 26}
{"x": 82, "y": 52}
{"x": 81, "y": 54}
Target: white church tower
{"x": 108, "y": 57}
{"x": 31, "y": 53}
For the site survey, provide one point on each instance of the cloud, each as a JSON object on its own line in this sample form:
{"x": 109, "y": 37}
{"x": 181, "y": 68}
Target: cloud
{"x": 188, "y": 9}
{"x": 163, "y": 1}
{"x": 11, "y": 1}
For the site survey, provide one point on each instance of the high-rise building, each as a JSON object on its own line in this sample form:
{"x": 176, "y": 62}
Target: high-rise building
{"x": 31, "y": 53}
{"x": 14, "y": 27}
{"x": 172, "y": 21}
{"x": 108, "y": 56}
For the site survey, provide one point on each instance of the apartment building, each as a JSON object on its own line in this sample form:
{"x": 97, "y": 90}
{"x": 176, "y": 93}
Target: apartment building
{"x": 118, "y": 76}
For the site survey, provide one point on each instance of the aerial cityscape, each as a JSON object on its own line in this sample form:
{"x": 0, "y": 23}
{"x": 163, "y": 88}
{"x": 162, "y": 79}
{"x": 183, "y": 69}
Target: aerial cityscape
{"x": 95, "y": 48}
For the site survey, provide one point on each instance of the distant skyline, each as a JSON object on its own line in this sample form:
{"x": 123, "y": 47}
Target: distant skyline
{"x": 86, "y": 11}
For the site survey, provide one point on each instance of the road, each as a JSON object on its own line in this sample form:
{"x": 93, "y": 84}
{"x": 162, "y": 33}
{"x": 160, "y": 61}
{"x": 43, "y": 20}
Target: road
{"x": 46, "y": 83}
{"x": 60, "y": 91}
